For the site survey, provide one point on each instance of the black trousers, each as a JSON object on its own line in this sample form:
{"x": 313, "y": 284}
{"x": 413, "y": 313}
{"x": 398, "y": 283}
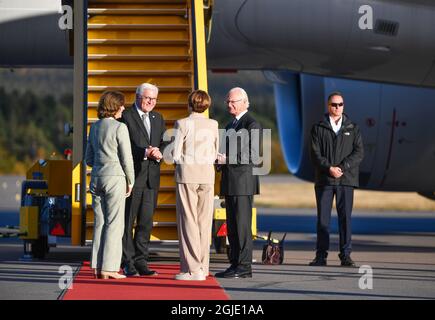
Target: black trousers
{"x": 139, "y": 206}
{"x": 344, "y": 204}
{"x": 239, "y": 221}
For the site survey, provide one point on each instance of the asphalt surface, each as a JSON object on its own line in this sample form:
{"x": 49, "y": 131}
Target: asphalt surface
{"x": 402, "y": 264}
{"x": 399, "y": 248}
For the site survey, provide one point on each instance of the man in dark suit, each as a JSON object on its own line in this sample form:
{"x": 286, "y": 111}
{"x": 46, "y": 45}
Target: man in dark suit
{"x": 146, "y": 129}
{"x": 239, "y": 184}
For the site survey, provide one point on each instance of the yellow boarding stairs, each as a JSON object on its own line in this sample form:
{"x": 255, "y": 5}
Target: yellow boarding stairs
{"x": 131, "y": 42}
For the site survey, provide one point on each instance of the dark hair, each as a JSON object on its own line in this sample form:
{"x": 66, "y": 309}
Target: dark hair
{"x": 335, "y": 93}
{"x": 199, "y": 101}
{"x": 109, "y": 104}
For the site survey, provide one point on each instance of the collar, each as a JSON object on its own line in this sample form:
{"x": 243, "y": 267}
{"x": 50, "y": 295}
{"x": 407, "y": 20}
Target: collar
{"x": 139, "y": 110}
{"x": 197, "y": 115}
{"x": 333, "y": 123}
{"x": 241, "y": 115}
{"x": 336, "y": 126}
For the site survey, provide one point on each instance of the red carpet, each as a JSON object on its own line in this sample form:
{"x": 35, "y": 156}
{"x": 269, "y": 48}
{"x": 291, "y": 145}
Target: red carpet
{"x": 160, "y": 287}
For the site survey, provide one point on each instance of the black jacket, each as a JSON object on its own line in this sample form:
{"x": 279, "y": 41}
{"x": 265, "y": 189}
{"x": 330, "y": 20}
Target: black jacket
{"x": 237, "y": 178}
{"x": 344, "y": 150}
{"x": 147, "y": 172}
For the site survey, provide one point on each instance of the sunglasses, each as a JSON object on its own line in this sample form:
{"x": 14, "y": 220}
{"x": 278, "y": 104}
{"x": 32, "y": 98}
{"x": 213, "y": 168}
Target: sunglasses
{"x": 336, "y": 105}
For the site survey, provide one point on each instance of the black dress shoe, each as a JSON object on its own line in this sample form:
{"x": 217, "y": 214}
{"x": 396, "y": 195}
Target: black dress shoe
{"x": 130, "y": 271}
{"x": 318, "y": 262}
{"x": 347, "y": 262}
{"x": 144, "y": 271}
{"x": 242, "y": 272}
{"x": 237, "y": 272}
{"x": 227, "y": 272}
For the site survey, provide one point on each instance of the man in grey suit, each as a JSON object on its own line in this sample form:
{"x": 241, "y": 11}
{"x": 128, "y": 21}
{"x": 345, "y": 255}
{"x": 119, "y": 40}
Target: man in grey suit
{"x": 146, "y": 128}
{"x": 239, "y": 185}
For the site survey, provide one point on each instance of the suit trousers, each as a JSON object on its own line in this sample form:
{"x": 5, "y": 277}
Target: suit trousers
{"x": 344, "y": 204}
{"x": 108, "y": 202}
{"x": 194, "y": 219}
{"x": 140, "y": 207}
{"x": 239, "y": 221}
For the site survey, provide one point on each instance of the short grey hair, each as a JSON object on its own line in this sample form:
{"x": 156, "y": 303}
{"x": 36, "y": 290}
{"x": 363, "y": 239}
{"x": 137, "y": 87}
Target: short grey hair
{"x": 243, "y": 92}
{"x": 147, "y": 86}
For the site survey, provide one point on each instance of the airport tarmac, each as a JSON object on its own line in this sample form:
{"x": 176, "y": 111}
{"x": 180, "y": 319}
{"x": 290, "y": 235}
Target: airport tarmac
{"x": 401, "y": 258}
{"x": 399, "y": 247}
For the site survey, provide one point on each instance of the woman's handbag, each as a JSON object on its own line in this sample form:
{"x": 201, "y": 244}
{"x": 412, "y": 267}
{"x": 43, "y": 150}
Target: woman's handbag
{"x": 273, "y": 253}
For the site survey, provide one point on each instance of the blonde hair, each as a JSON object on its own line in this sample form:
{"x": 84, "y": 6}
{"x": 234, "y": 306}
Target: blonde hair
{"x": 199, "y": 101}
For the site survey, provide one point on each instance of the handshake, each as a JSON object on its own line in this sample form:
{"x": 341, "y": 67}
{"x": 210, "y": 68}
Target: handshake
{"x": 153, "y": 153}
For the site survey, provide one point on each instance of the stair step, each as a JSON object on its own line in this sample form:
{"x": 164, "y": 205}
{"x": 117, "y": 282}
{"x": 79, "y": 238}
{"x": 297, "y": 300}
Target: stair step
{"x": 162, "y": 171}
{"x": 175, "y": 96}
{"x": 162, "y": 189}
{"x": 138, "y": 65}
{"x": 167, "y": 113}
{"x": 122, "y": 11}
{"x": 138, "y": 41}
{"x": 159, "y": 104}
{"x": 133, "y": 88}
{"x": 137, "y": 57}
{"x": 139, "y": 72}
{"x": 93, "y": 26}
{"x": 166, "y": 196}
{"x": 168, "y": 122}
{"x": 138, "y": 34}
{"x": 140, "y": 1}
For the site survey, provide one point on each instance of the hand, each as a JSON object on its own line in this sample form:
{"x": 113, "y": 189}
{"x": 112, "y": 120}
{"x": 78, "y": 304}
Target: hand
{"x": 153, "y": 153}
{"x": 336, "y": 172}
{"x": 128, "y": 192}
{"x": 221, "y": 158}
{"x": 156, "y": 154}
{"x": 148, "y": 151}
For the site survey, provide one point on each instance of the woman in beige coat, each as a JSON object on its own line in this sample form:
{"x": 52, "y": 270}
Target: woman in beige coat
{"x": 195, "y": 150}
{"x": 109, "y": 154}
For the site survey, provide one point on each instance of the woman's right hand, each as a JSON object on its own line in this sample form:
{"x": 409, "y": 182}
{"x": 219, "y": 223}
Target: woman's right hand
{"x": 129, "y": 189}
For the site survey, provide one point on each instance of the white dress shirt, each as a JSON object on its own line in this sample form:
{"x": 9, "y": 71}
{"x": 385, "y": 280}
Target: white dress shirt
{"x": 336, "y": 126}
{"x": 241, "y": 115}
{"x": 141, "y": 114}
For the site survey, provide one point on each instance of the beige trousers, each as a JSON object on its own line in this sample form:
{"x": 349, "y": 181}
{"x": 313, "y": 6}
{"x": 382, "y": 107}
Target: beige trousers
{"x": 194, "y": 217}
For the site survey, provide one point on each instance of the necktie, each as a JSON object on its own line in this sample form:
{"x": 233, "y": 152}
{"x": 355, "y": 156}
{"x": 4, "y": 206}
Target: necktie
{"x": 146, "y": 122}
{"x": 235, "y": 121}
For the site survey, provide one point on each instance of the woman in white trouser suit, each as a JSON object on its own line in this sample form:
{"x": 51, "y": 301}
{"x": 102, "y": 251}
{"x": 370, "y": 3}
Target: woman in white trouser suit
{"x": 195, "y": 151}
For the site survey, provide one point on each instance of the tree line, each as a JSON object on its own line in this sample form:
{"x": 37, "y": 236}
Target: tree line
{"x": 36, "y": 103}
{"x": 32, "y": 127}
